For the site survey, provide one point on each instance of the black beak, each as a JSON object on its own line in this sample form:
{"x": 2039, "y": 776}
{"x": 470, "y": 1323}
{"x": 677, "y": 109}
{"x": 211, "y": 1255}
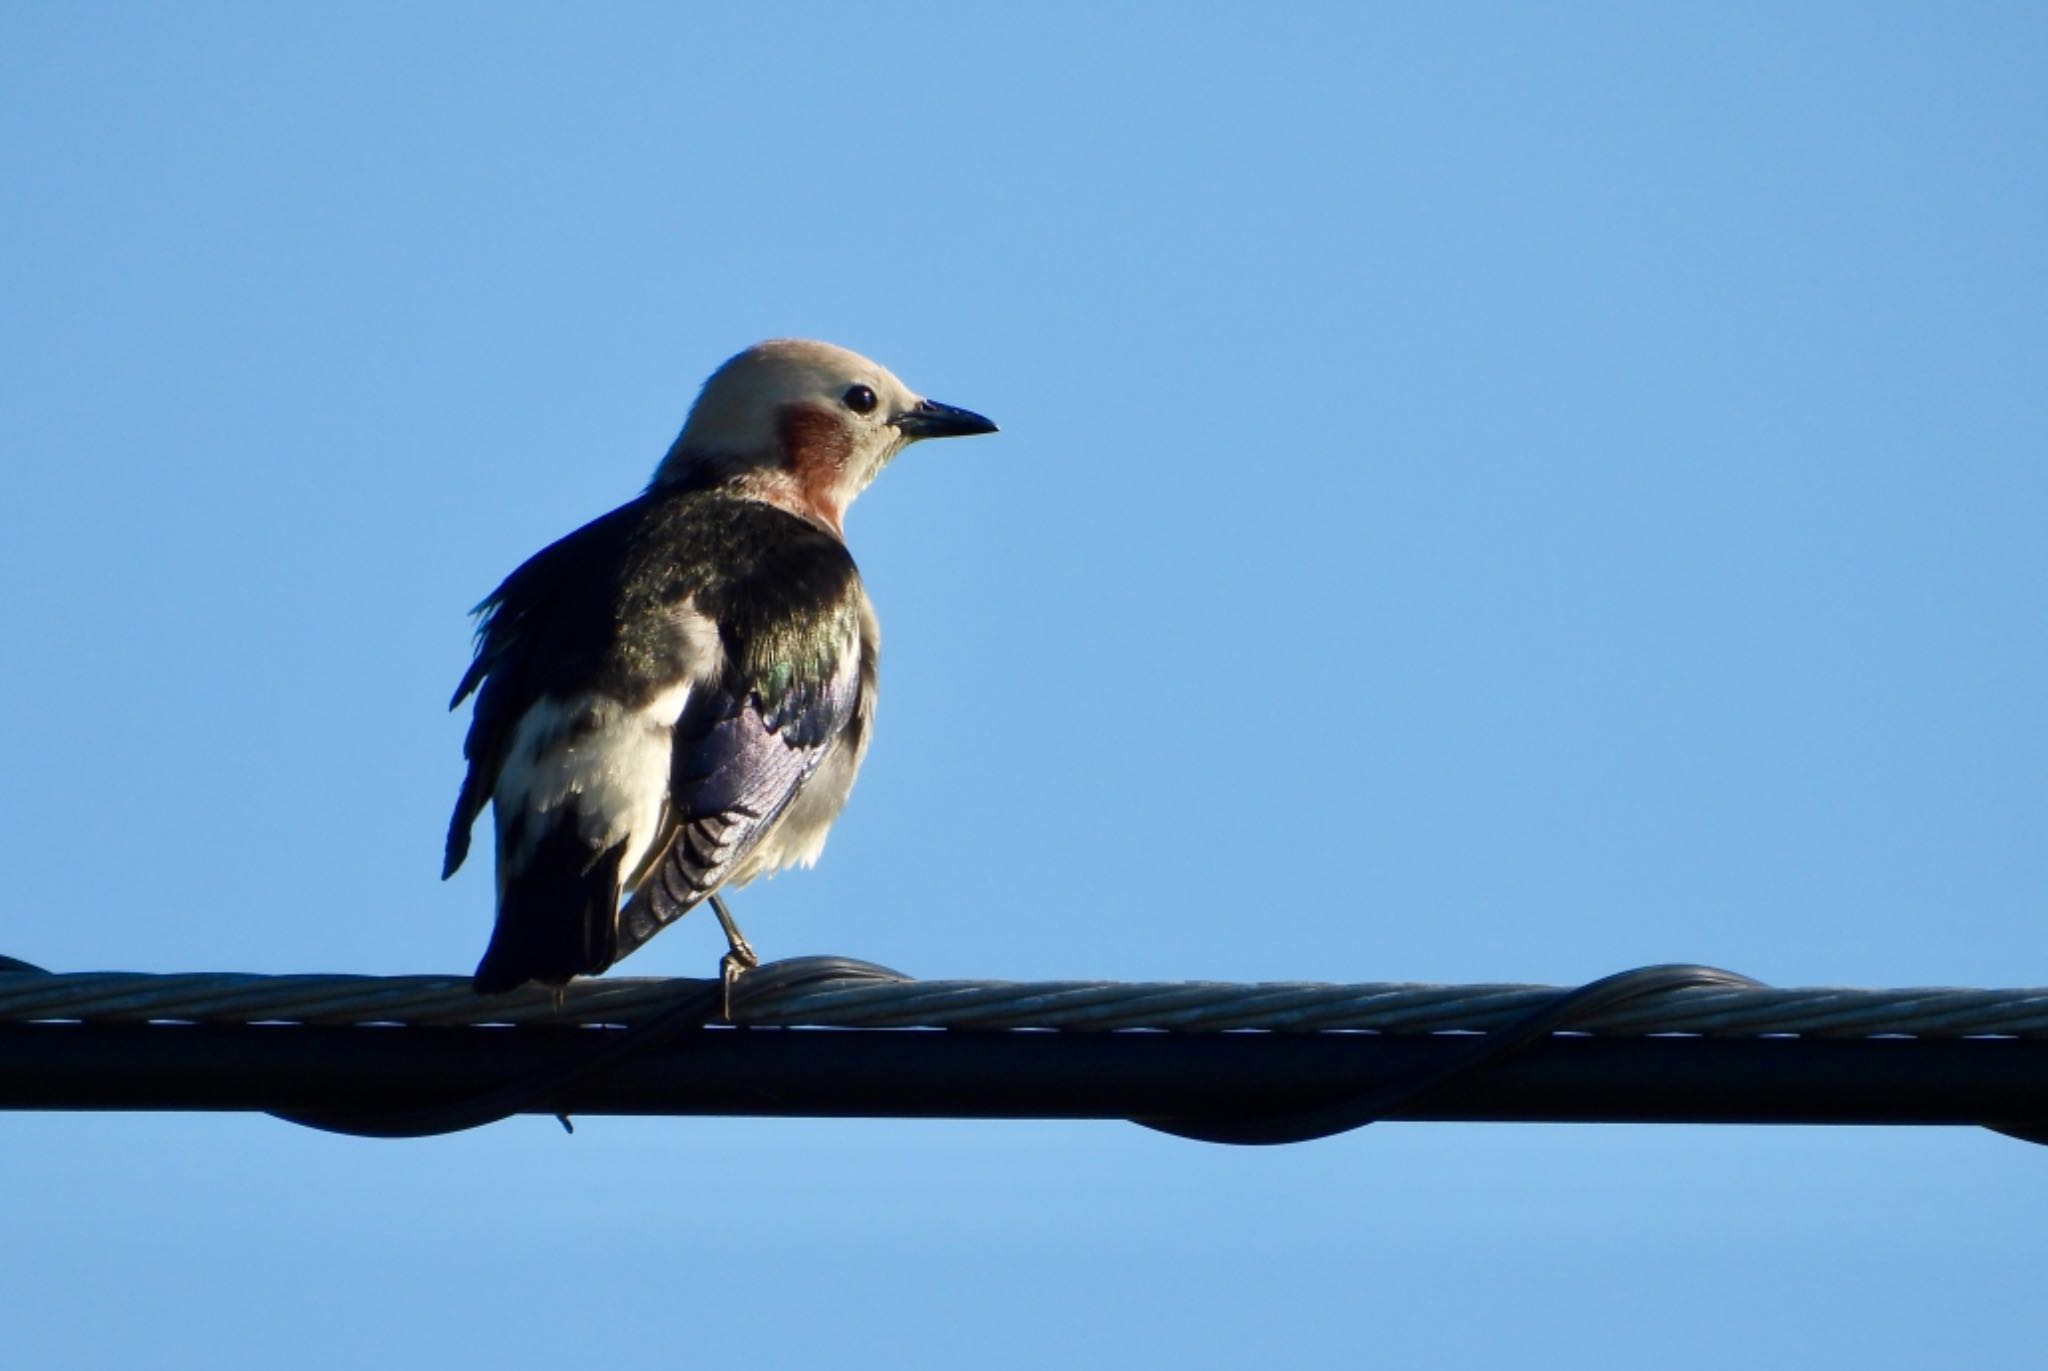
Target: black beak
{"x": 933, "y": 420}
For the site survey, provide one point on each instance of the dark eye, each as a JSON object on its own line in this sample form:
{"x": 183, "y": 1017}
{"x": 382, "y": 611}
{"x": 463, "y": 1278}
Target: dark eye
{"x": 860, "y": 400}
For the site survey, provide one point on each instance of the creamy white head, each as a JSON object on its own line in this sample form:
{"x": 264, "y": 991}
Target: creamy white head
{"x": 804, "y": 426}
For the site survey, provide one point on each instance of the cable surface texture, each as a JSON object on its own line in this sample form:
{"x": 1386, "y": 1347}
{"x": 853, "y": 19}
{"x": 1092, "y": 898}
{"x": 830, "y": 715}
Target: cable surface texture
{"x": 1459, "y": 1034}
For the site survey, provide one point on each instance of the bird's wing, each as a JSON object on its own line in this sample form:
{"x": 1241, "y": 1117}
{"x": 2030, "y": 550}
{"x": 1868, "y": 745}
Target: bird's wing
{"x": 745, "y": 746}
{"x": 547, "y": 626}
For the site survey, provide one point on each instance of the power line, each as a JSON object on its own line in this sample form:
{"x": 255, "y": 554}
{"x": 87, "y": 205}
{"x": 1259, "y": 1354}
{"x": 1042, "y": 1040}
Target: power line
{"x": 401, "y": 1056}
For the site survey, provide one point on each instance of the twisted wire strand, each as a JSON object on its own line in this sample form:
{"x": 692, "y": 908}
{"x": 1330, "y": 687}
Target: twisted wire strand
{"x": 837, "y": 993}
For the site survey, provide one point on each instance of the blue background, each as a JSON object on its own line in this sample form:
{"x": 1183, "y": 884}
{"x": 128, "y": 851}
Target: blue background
{"x": 1486, "y": 493}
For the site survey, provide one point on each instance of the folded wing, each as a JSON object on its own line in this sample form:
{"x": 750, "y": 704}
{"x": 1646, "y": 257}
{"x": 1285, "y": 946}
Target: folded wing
{"x": 743, "y": 753}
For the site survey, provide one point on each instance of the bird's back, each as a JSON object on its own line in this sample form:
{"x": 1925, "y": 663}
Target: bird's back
{"x": 677, "y": 668}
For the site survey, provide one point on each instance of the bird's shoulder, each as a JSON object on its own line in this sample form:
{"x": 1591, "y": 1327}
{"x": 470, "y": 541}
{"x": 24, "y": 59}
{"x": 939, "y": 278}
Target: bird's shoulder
{"x": 618, "y": 596}
{"x": 742, "y": 561}
{"x": 790, "y": 611}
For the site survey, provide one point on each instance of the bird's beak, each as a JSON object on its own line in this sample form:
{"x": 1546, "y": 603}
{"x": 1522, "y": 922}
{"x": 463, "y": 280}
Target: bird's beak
{"x": 933, "y": 420}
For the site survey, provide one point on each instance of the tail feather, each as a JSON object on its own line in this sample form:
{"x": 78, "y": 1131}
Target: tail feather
{"x": 557, "y": 918}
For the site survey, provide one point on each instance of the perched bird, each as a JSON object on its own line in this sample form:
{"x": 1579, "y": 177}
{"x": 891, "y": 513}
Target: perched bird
{"x": 675, "y": 698}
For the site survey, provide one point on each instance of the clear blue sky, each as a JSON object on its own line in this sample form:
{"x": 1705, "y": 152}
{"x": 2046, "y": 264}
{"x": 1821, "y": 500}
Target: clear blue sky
{"x": 1485, "y": 493}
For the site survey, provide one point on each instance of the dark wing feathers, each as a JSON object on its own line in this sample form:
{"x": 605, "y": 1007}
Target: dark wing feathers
{"x": 547, "y": 622}
{"x": 741, "y": 755}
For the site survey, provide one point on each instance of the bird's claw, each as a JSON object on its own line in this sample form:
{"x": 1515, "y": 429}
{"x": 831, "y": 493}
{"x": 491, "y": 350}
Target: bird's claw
{"x": 733, "y": 965}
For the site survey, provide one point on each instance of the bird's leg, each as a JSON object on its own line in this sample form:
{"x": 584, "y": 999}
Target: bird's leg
{"x": 740, "y": 956}
{"x": 742, "y": 951}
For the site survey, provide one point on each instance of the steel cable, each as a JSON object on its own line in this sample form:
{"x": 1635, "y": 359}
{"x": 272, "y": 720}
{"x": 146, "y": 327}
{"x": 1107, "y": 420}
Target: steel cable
{"x": 842, "y": 993}
{"x": 637, "y": 1014}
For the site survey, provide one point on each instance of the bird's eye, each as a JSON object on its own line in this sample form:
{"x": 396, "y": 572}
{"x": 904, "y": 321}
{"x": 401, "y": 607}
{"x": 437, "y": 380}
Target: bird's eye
{"x": 860, "y": 400}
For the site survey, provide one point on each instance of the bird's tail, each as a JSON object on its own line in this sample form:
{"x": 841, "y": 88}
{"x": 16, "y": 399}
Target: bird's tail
{"x": 557, "y": 917}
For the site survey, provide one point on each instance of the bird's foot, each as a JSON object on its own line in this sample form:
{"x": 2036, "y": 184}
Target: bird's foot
{"x": 740, "y": 959}
{"x": 733, "y": 965}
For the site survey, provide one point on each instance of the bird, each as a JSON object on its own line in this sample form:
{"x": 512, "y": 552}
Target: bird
{"x": 675, "y": 698}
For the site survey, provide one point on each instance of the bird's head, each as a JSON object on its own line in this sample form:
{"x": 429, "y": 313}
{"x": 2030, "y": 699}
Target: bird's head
{"x": 805, "y": 426}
